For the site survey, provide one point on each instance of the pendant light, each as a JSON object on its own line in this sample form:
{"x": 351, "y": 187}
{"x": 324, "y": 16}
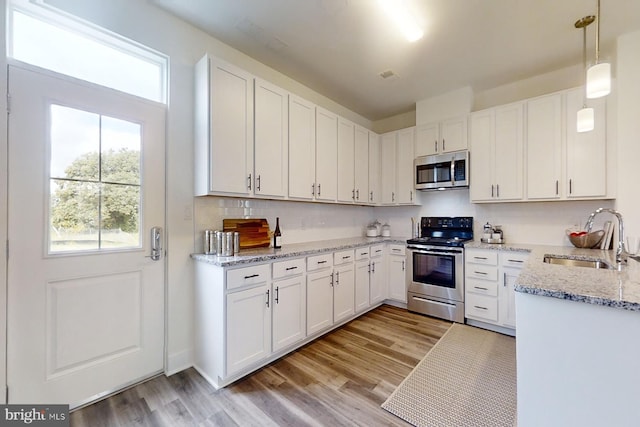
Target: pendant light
{"x": 599, "y": 74}
{"x": 585, "y": 119}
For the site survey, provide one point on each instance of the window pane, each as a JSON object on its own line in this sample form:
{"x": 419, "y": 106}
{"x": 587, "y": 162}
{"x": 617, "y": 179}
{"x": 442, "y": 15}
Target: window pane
{"x": 120, "y": 151}
{"x": 120, "y": 216}
{"x": 74, "y": 216}
{"x": 53, "y": 47}
{"x": 75, "y": 143}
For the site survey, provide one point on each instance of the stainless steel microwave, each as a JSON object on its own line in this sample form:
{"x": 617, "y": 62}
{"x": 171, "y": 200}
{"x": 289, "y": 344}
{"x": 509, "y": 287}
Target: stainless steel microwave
{"x": 442, "y": 171}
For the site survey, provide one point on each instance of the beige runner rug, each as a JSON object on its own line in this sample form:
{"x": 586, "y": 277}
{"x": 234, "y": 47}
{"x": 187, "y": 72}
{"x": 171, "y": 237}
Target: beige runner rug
{"x": 467, "y": 379}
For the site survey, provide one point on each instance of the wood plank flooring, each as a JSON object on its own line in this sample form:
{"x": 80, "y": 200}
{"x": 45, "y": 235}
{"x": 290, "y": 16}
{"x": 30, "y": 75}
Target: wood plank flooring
{"x": 340, "y": 379}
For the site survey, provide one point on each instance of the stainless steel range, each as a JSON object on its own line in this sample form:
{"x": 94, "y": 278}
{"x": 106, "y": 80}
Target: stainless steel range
{"x": 435, "y": 270}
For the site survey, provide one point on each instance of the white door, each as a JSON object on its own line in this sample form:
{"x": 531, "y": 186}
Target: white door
{"x": 289, "y": 311}
{"x": 86, "y": 185}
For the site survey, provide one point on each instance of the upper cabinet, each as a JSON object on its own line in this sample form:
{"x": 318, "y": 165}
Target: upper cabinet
{"x": 271, "y": 140}
{"x": 441, "y": 137}
{"x": 302, "y": 148}
{"x": 346, "y": 158}
{"x": 562, "y": 163}
{"x": 388, "y": 147}
{"x": 375, "y": 169}
{"x": 361, "y": 165}
{"x": 397, "y": 155}
{"x": 223, "y": 129}
{"x": 496, "y": 144}
{"x": 326, "y": 184}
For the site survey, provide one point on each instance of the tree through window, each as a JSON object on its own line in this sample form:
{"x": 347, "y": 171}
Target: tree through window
{"x": 94, "y": 181}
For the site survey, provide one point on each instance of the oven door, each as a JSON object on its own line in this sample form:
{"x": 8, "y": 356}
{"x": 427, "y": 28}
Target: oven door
{"x": 437, "y": 272}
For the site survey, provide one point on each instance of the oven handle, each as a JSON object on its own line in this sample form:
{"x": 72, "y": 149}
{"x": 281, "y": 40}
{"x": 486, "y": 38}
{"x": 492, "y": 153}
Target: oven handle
{"x": 434, "y": 251}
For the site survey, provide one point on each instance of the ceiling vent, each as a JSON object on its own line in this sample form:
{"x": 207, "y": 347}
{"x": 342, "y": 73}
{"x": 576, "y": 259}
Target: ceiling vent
{"x": 388, "y": 75}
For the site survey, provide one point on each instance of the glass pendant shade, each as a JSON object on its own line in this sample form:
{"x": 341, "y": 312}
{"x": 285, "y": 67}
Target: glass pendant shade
{"x": 599, "y": 80}
{"x": 585, "y": 120}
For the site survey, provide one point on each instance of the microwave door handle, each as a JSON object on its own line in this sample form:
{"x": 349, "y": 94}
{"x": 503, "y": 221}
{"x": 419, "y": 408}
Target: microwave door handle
{"x": 453, "y": 170}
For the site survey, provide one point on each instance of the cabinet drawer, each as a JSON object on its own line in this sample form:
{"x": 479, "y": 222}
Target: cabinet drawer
{"x": 362, "y": 253}
{"x": 343, "y": 257}
{"x": 288, "y": 268}
{"x": 319, "y": 261}
{"x": 481, "y": 306}
{"x": 247, "y": 276}
{"x": 397, "y": 250}
{"x": 484, "y": 272}
{"x": 481, "y": 257}
{"x": 513, "y": 259}
{"x": 376, "y": 251}
{"x": 482, "y": 287}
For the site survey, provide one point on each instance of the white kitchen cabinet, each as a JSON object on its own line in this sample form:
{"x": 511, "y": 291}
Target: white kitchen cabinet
{"x": 563, "y": 164}
{"x": 374, "y": 169}
{"x": 223, "y": 129}
{"x": 302, "y": 148}
{"x": 388, "y": 149}
{"x": 489, "y": 288}
{"x": 319, "y": 299}
{"x": 397, "y": 273}
{"x": 496, "y": 143}
{"x": 586, "y": 151}
{"x": 362, "y": 278}
{"x": 404, "y": 166}
{"x": 361, "y": 165}
{"x": 248, "y": 327}
{"x": 544, "y": 147}
{"x": 271, "y": 140}
{"x": 378, "y": 282}
{"x": 289, "y": 311}
{"x": 441, "y": 137}
{"x": 343, "y": 291}
{"x": 346, "y": 159}
{"x": 326, "y": 184}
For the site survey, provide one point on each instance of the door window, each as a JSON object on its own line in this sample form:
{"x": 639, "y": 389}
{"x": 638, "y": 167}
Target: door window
{"x": 94, "y": 182}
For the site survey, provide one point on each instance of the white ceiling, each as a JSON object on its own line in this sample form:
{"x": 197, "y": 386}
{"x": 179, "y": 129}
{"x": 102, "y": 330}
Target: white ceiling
{"x": 338, "y": 47}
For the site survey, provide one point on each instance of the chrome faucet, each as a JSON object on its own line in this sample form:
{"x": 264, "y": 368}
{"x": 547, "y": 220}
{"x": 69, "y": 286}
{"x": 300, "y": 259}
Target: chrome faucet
{"x": 621, "y": 253}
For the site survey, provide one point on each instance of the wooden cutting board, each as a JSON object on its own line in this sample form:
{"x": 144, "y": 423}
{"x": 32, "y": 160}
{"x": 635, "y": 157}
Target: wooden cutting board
{"x": 254, "y": 232}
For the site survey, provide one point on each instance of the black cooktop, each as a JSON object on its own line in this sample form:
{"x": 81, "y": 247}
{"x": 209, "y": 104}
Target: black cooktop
{"x": 444, "y": 231}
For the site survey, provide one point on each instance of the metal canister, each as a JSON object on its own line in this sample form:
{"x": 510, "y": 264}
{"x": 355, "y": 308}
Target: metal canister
{"x": 236, "y": 242}
{"x": 209, "y": 242}
{"x": 227, "y": 244}
{"x": 218, "y": 239}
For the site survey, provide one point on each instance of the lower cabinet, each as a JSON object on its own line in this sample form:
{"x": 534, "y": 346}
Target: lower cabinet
{"x": 248, "y": 316}
{"x": 489, "y": 294}
{"x": 397, "y": 274}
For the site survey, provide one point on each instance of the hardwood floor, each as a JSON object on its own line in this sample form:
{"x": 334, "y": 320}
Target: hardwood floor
{"x": 340, "y": 379}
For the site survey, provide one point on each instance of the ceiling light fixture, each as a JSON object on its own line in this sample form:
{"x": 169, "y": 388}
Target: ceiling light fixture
{"x": 599, "y": 74}
{"x": 585, "y": 118}
{"x": 399, "y": 12}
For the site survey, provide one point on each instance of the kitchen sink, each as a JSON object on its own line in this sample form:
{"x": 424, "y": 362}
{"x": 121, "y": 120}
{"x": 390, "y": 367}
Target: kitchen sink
{"x": 572, "y": 262}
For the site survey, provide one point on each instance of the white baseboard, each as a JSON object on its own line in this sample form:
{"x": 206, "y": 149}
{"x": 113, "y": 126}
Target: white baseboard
{"x": 179, "y": 362}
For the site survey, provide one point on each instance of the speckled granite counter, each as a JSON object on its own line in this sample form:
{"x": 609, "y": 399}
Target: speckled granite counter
{"x": 295, "y": 250}
{"x": 613, "y": 288}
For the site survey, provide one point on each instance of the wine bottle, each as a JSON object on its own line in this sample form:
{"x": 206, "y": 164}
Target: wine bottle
{"x": 277, "y": 235}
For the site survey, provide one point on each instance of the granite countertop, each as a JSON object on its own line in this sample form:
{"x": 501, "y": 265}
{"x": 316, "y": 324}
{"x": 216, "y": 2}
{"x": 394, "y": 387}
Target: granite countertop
{"x": 248, "y": 256}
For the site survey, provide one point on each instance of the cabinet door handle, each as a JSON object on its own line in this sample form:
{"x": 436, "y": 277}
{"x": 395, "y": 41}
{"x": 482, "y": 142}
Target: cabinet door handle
{"x": 498, "y": 190}
{"x": 491, "y": 190}
{"x": 443, "y": 145}
{"x": 570, "y": 189}
{"x": 277, "y": 295}
{"x": 249, "y": 182}
{"x": 331, "y": 280}
{"x": 251, "y": 276}
{"x": 358, "y": 194}
{"x": 435, "y": 145}
{"x": 481, "y": 308}
{"x": 557, "y": 182}
{"x": 363, "y": 253}
{"x": 480, "y": 257}
{"x": 480, "y": 272}
{"x": 353, "y": 194}
{"x": 268, "y": 290}
{"x": 371, "y": 196}
{"x": 515, "y": 260}
{"x": 258, "y": 183}
{"x": 337, "y": 278}
{"x": 291, "y": 268}
{"x": 402, "y": 265}
{"x": 318, "y": 190}
{"x": 373, "y": 267}
{"x": 481, "y": 288}
{"x": 411, "y": 195}
{"x": 313, "y": 189}
{"x": 322, "y": 262}
{"x": 369, "y": 268}
{"x": 504, "y": 280}
{"x": 346, "y": 257}
{"x": 393, "y": 196}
